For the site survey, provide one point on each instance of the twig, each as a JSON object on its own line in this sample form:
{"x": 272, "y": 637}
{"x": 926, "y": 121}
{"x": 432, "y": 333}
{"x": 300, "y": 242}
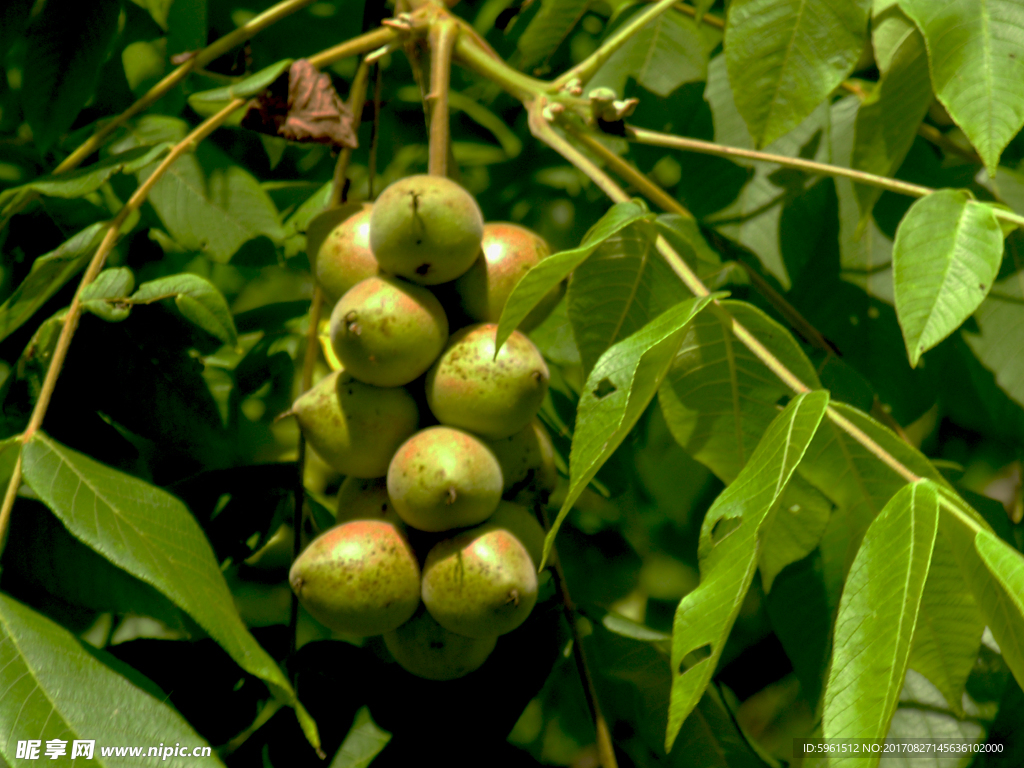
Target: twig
{"x": 74, "y": 312}
{"x": 707, "y": 18}
{"x": 934, "y": 136}
{"x": 659, "y": 139}
{"x": 583, "y": 71}
{"x": 443, "y": 35}
{"x": 365, "y": 43}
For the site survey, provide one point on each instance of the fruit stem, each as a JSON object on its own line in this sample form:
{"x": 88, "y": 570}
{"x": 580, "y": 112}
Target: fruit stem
{"x": 443, "y": 34}
{"x": 74, "y": 312}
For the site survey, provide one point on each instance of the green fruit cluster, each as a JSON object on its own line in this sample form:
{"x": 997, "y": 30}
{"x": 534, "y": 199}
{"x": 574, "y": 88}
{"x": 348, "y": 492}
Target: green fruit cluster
{"x": 435, "y": 545}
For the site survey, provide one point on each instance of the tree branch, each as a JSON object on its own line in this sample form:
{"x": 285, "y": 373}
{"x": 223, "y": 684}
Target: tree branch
{"x": 74, "y": 312}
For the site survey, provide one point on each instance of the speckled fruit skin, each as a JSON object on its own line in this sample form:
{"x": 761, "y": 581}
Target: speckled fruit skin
{"x": 365, "y": 499}
{"x": 521, "y": 523}
{"x": 426, "y": 229}
{"x": 508, "y": 252}
{"x": 387, "y": 332}
{"x": 495, "y": 398}
{"x": 527, "y": 460}
{"x": 426, "y": 649}
{"x": 481, "y": 582}
{"x": 443, "y": 478}
{"x": 345, "y": 258}
{"x": 354, "y": 427}
{"x": 360, "y": 577}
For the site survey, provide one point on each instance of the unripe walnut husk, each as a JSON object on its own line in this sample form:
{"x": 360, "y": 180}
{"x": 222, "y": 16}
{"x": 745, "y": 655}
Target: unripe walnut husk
{"x": 494, "y": 397}
{"x": 481, "y": 582}
{"x": 360, "y": 577}
{"x": 426, "y": 229}
{"x": 426, "y": 649}
{"x": 508, "y": 251}
{"x": 355, "y": 427}
{"x": 344, "y": 257}
{"x": 387, "y": 331}
{"x": 443, "y": 478}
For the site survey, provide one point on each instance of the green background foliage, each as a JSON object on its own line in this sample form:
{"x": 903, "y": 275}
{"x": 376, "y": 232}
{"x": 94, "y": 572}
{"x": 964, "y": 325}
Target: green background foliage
{"x": 749, "y": 562}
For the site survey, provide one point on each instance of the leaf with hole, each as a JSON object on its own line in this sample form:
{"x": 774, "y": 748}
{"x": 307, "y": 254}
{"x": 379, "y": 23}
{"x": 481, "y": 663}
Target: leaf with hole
{"x": 945, "y": 258}
{"x": 151, "y": 535}
{"x": 617, "y": 392}
{"x": 728, "y": 552}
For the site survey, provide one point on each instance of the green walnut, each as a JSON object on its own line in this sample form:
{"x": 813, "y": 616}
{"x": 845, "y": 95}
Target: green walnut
{"x": 355, "y": 427}
{"x": 360, "y": 577}
{"x": 426, "y": 649}
{"x": 426, "y": 229}
{"x": 481, "y": 582}
{"x": 386, "y": 331}
{"x": 443, "y": 478}
{"x": 365, "y": 499}
{"x": 527, "y": 461}
{"x": 344, "y": 257}
{"x": 494, "y": 397}
{"x": 508, "y": 252}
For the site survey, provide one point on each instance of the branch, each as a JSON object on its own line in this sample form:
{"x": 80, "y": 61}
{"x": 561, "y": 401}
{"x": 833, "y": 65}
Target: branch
{"x": 658, "y": 139}
{"x": 583, "y": 71}
{"x": 74, "y": 312}
{"x": 443, "y": 35}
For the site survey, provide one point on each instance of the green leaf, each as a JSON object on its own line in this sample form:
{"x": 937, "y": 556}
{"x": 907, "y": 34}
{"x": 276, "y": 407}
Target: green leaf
{"x": 158, "y": 9}
{"x": 67, "y": 43}
{"x": 548, "y": 29}
{"x": 949, "y": 626}
{"x": 1002, "y": 597}
{"x": 753, "y": 218}
{"x": 667, "y": 52}
{"x": 853, "y": 477}
{"x": 999, "y": 341}
{"x": 976, "y": 66}
{"x": 211, "y": 102}
{"x": 728, "y": 552}
{"x": 363, "y": 743}
{"x": 536, "y": 283}
{"x": 622, "y": 286}
{"x": 151, "y": 535}
{"x": 793, "y": 529}
{"x": 945, "y": 258}
{"x": 82, "y": 181}
{"x": 718, "y": 398}
{"x": 113, "y": 283}
{"x": 49, "y": 274}
{"x": 617, "y": 392}
{"x": 785, "y": 58}
{"x": 197, "y": 298}
{"x": 888, "y": 119}
{"x": 56, "y": 689}
{"x": 877, "y": 616}
{"x": 144, "y": 62}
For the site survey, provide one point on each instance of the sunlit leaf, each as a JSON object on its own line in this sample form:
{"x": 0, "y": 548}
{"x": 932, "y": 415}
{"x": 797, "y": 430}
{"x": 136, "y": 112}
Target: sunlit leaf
{"x": 976, "y": 66}
{"x": 113, "y": 283}
{"x": 793, "y": 529}
{"x": 362, "y": 744}
{"x": 1002, "y": 598}
{"x": 56, "y": 689}
{"x": 197, "y": 298}
{"x": 622, "y": 286}
{"x": 945, "y": 258}
{"x": 786, "y": 57}
{"x": 536, "y": 283}
{"x": 999, "y": 340}
{"x": 617, "y": 392}
{"x": 877, "y": 617}
{"x": 207, "y": 103}
{"x": 718, "y": 398}
{"x": 152, "y": 535}
{"x": 728, "y": 553}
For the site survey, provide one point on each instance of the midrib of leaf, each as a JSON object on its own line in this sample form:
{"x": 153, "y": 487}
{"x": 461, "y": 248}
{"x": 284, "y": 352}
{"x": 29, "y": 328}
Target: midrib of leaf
{"x": 632, "y": 292}
{"x": 986, "y": 36}
{"x": 654, "y": 44}
{"x": 730, "y": 357}
{"x": 29, "y": 672}
{"x": 785, "y": 60}
{"x": 943, "y": 289}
